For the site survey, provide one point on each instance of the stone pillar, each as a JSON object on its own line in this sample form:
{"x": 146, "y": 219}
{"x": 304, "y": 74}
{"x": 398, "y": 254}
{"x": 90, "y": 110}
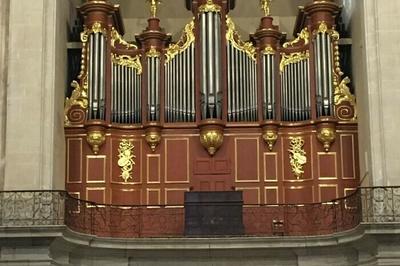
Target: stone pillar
{"x": 4, "y": 13}
{"x": 376, "y": 34}
{"x": 37, "y": 60}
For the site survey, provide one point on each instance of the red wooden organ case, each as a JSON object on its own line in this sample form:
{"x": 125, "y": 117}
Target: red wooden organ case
{"x": 150, "y": 120}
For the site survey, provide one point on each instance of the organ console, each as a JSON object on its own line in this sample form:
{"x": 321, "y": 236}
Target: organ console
{"x": 210, "y": 111}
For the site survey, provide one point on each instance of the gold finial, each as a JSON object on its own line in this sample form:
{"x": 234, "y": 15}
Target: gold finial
{"x": 266, "y": 7}
{"x": 153, "y": 7}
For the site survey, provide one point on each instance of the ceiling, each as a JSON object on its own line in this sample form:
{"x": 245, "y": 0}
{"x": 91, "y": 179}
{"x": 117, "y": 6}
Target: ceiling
{"x": 174, "y": 15}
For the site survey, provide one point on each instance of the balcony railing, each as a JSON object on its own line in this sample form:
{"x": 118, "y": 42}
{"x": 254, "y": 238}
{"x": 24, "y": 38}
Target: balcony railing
{"x": 44, "y": 208}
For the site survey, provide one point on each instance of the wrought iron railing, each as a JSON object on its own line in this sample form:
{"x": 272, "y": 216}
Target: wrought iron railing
{"x": 43, "y": 208}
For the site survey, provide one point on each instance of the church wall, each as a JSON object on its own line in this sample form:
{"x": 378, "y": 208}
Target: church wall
{"x": 378, "y": 92}
{"x": 4, "y": 15}
{"x": 35, "y": 94}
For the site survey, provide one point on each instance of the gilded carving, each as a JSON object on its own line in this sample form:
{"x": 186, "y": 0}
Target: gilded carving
{"x": 211, "y": 139}
{"x": 153, "y": 138}
{"x": 326, "y": 136}
{"x": 209, "y": 7}
{"x": 268, "y": 50}
{"x": 126, "y": 159}
{"x": 153, "y": 7}
{"x": 116, "y": 37}
{"x": 297, "y": 156}
{"x": 97, "y": 28}
{"x": 185, "y": 41}
{"x": 78, "y": 97}
{"x": 270, "y": 138}
{"x": 304, "y": 35}
{"x": 266, "y": 7}
{"x": 293, "y": 58}
{"x": 234, "y": 38}
{"x": 128, "y": 61}
{"x": 95, "y": 139}
{"x": 153, "y": 52}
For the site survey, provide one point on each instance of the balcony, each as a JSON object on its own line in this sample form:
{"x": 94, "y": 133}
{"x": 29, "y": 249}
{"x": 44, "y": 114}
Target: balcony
{"x": 370, "y": 205}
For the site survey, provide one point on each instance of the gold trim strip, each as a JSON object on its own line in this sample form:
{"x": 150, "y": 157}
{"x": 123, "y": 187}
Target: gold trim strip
{"x": 353, "y": 155}
{"x": 319, "y": 154}
{"x": 88, "y": 158}
{"x": 148, "y": 156}
{"x": 80, "y": 161}
{"x": 258, "y": 161}
{"x": 166, "y": 197}
{"x": 275, "y": 154}
{"x": 266, "y": 188}
{"x": 166, "y": 161}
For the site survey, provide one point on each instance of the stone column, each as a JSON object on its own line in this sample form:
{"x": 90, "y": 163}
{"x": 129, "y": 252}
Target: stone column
{"x": 376, "y": 34}
{"x": 37, "y": 60}
{"x": 4, "y": 13}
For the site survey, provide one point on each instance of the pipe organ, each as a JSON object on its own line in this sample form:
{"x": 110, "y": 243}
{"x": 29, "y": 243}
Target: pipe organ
{"x": 271, "y": 117}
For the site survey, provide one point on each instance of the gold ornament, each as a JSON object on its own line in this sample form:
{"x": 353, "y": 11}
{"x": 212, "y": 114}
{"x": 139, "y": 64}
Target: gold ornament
{"x": 266, "y": 7}
{"x": 304, "y": 35}
{"x": 128, "y": 61}
{"x": 153, "y": 52}
{"x": 153, "y": 138}
{"x": 95, "y": 139}
{"x": 297, "y": 156}
{"x": 126, "y": 159}
{"x": 211, "y": 139}
{"x": 78, "y": 97}
{"x": 234, "y": 38}
{"x": 293, "y": 58}
{"x": 185, "y": 41}
{"x": 326, "y": 136}
{"x": 270, "y": 138}
{"x": 209, "y": 7}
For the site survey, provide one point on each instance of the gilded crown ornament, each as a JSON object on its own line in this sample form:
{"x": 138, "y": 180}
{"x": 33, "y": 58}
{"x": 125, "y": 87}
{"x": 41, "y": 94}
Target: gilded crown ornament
{"x": 270, "y": 137}
{"x": 326, "y": 136}
{"x": 211, "y": 139}
{"x": 96, "y": 139}
{"x": 153, "y": 138}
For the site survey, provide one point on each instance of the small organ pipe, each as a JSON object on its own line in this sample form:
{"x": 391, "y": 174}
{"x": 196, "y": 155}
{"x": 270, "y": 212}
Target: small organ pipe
{"x": 330, "y": 67}
{"x": 204, "y": 90}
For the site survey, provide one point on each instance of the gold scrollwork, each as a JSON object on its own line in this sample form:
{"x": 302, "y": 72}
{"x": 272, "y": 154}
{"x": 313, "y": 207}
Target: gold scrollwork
{"x": 185, "y": 41}
{"x": 116, "y": 37}
{"x": 153, "y": 52}
{"x": 293, "y": 58}
{"x": 126, "y": 159}
{"x": 268, "y": 50}
{"x": 304, "y": 35}
{"x": 234, "y": 38}
{"x": 342, "y": 94}
{"x": 209, "y": 7}
{"x": 297, "y": 156}
{"x": 128, "y": 61}
{"x": 78, "y": 97}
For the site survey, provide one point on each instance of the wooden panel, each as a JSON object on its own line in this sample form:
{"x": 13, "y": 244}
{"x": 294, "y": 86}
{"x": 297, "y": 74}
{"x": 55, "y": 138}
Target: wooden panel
{"x": 116, "y": 170}
{"x": 298, "y": 194}
{"x": 328, "y": 192}
{"x": 96, "y": 194}
{"x": 177, "y": 160}
{"x": 327, "y": 165}
{"x": 74, "y": 160}
{"x": 348, "y": 158}
{"x": 174, "y": 197}
{"x": 202, "y": 166}
{"x": 95, "y": 168}
{"x": 251, "y": 195}
{"x": 222, "y": 166}
{"x": 286, "y": 166}
{"x": 247, "y": 166}
{"x": 153, "y": 196}
{"x": 271, "y": 166}
{"x": 153, "y": 168}
{"x": 126, "y": 196}
{"x": 271, "y": 195}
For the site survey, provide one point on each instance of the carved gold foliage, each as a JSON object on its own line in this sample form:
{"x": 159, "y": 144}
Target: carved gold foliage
{"x": 342, "y": 94}
{"x": 304, "y": 35}
{"x": 297, "y": 156}
{"x": 128, "y": 61}
{"x": 209, "y": 7}
{"x": 268, "y": 50}
{"x": 293, "y": 58}
{"x": 234, "y": 38}
{"x": 126, "y": 159}
{"x": 97, "y": 28}
{"x": 78, "y": 97}
{"x": 116, "y": 37}
{"x": 185, "y": 41}
{"x": 153, "y": 52}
